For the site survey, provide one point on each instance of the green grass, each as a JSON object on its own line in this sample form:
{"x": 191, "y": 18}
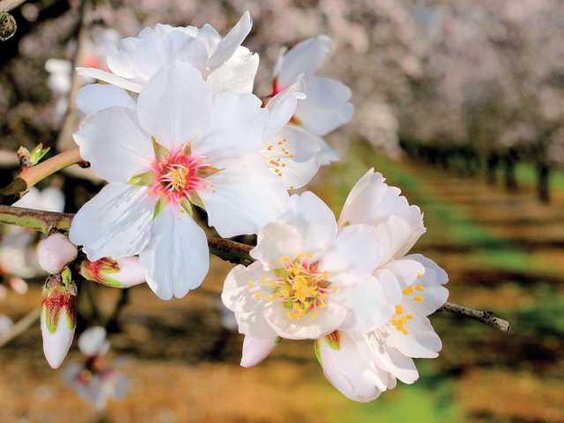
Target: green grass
{"x": 526, "y": 175}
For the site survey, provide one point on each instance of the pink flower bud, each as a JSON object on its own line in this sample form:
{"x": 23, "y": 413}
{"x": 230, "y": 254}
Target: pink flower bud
{"x": 255, "y": 350}
{"x": 58, "y": 317}
{"x": 55, "y": 252}
{"x": 116, "y": 273}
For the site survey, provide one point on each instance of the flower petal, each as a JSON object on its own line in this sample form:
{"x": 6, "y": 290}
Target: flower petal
{"x": 354, "y": 255}
{"x": 93, "y": 341}
{"x": 115, "y": 223}
{"x": 310, "y": 326}
{"x": 237, "y": 75}
{"x": 110, "y": 78}
{"x": 434, "y": 294}
{"x": 175, "y": 105}
{"x": 303, "y": 59}
{"x": 244, "y": 196}
{"x": 313, "y": 219}
{"x": 95, "y": 97}
{"x": 255, "y": 350}
{"x": 114, "y": 144}
{"x": 326, "y": 106}
{"x": 236, "y": 294}
{"x": 276, "y": 240}
{"x": 372, "y": 201}
{"x": 283, "y": 106}
{"x": 231, "y": 42}
{"x": 177, "y": 258}
{"x": 420, "y": 342}
{"x": 349, "y": 369}
{"x": 237, "y": 127}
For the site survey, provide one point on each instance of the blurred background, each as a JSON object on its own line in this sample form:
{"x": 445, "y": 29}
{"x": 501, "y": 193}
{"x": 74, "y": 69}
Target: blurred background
{"x": 459, "y": 103}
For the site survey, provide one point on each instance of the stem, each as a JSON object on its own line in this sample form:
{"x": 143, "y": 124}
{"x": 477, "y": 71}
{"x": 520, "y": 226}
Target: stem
{"x": 30, "y": 176}
{"x": 33, "y": 175}
{"x": 231, "y": 251}
{"x": 486, "y": 317}
{"x": 20, "y": 326}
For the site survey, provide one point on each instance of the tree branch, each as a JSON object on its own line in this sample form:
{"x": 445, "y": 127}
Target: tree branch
{"x": 20, "y": 326}
{"x": 231, "y": 251}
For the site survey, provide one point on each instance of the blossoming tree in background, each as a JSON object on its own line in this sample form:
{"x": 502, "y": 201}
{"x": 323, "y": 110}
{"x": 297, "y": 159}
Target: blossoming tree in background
{"x": 192, "y": 157}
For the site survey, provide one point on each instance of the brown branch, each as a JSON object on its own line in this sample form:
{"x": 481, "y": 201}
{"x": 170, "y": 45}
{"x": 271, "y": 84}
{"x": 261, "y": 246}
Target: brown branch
{"x": 64, "y": 141}
{"x": 486, "y": 317}
{"x": 231, "y": 251}
{"x": 20, "y": 326}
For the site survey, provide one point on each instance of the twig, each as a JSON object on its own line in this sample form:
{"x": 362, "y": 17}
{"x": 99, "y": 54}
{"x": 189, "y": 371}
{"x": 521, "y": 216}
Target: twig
{"x": 7, "y": 5}
{"x": 20, "y": 326}
{"x": 486, "y": 317}
{"x": 65, "y": 135}
{"x": 232, "y": 251}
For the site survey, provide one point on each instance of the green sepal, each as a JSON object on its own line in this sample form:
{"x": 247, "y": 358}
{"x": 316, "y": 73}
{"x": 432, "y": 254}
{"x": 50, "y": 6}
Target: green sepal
{"x": 317, "y": 350}
{"x": 195, "y": 199}
{"x": 38, "y": 153}
{"x": 333, "y": 340}
{"x": 187, "y": 206}
{"x": 66, "y": 277}
{"x": 144, "y": 179}
{"x": 160, "y": 151}
{"x": 159, "y": 207}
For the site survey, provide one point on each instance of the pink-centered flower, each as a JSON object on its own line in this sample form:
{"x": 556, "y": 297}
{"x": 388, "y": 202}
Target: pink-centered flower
{"x": 180, "y": 145}
{"x": 326, "y": 105}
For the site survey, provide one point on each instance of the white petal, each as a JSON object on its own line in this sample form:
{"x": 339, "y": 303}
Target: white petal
{"x": 237, "y": 75}
{"x": 354, "y": 255}
{"x": 110, "y": 78}
{"x": 255, "y": 350}
{"x": 55, "y": 252}
{"x": 175, "y": 105}
{"x": 244, "y": 196}
{"x": 115, "y": 223}
{"x": 369, "y": 304}
{"x": 393, "y": 361}
{"x": 236, "y": 127}
{"x": 93, "y": 341}
{"x": 304, "y": 59}
{"x": 421, "y": 342}
{"x": 237, "y": 294}
{"x": 309, "y": 326}
{"x": 231, "y": 42}
{"x": 372, "y": 201}
{"x": 56, "y": 344}
{"x": 52, "y": 199}
{"x": 313, "y": 219}
{"x": 177, "y": 258}
{"x": 130, "y": 272}
{"x": 393, "y": 235}
{"x": 433, "y": 295}
{"x": 276, "y": 240}
{"x": 114, "y": 144}
{"x": 349, "y": 370}
{"x": 95, "y": 97}
{"x": 406, "y": 270}
{"x": 283, "y": 106}
{"x": 326, "y": 106}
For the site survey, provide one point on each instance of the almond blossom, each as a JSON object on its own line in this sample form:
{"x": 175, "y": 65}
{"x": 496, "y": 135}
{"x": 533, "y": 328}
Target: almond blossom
{"x": 327, "y": 104}
{"x": 55, "y": 252}
{"x": 180, "y": 145}
{"x": 310, "y": 278}
{"x": 385, "y": 324}
{"x": 123, "y": 272}
{"x": 223, "y": 62}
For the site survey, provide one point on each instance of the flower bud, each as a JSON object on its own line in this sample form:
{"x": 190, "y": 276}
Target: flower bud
{"x": 116, "y": 273}
{"x": 58, "y": 317}
{"x": 55, "y": 252}
{"x": 93, "y": 342}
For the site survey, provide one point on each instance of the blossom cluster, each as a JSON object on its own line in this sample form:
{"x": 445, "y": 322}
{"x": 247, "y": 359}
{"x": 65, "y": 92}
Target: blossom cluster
{"x": 176, "y": 131}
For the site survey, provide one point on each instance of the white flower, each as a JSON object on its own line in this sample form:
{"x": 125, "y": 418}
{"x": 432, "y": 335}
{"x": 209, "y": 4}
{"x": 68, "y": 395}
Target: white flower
{"x": 93, "y": 342}
{"x": 50, "y": 199}
{"x": 385, "y": 324}
{"x": 310, "y": 278}
{"x": 182, "y": 145}
{"x": 408, "y": 334}
{"x": 222, "y": 61}
{"x": 327, "y": 104}
{"x": 55, "y": 252}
